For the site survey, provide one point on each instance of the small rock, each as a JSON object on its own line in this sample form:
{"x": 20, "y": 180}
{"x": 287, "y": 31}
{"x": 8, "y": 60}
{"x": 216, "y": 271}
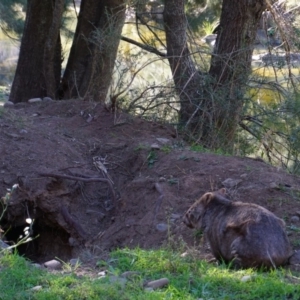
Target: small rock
{"x": 36, "y": 265}
{"x": 37, "y": 288}
{"x": 297, "y": 213}
{"x": 163, "y": 141}
{"x": 53, "y": 264}
{"x": 184, "y": 254}
{"x": 8, "y": 103}
{"x": 33, "y": 100}
{"x": 162, "y": 179}
{"x": 162, "y": 227}
{"x": 129, "y": 274}
{"x": 102, "y": 273}
{"x": 156, "y": 284}
{"x": 74, "y": 262}
{"x": 230, "y": 183}
{"x": 23, "y": 131}
{"x": 244, "y": 175}
{"x": 47, "y": 99}
{"x": 155, "y": 146}
{"x": 175, "y": 216}
{"x": 295, "y": 219}
{"x": 90, "y": 118}
{"x": 246, "y": 278}
{"x": 148, "y": 289}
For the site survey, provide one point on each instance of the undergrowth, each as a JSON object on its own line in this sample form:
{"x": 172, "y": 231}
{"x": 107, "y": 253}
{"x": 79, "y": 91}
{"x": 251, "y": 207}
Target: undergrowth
{"x": 189, "y": 278}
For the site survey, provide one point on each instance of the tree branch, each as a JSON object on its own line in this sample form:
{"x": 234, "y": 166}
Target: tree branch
{"x": 143, "y": 46}
{"x": 89, "y": 179}
{"x": 71, "y": 222}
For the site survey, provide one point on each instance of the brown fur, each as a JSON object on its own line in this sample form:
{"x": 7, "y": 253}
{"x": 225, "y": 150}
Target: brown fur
{"x": 246, "y": 234}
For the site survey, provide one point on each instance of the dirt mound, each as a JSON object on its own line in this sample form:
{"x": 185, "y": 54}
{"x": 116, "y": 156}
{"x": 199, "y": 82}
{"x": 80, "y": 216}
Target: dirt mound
{"x": 93, "y": 180}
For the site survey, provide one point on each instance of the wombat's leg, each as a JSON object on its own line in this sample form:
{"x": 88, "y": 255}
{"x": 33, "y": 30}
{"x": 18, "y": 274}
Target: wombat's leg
{"x": 236, "y": 261}
{"x": 234, "y": 251}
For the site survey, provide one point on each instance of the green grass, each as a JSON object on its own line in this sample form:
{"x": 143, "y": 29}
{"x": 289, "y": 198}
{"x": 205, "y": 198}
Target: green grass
{"x": 202, "y": 149}
{"x": 190, "y": 278}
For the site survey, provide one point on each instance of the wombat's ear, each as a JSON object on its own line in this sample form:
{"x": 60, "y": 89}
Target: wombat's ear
{"x": 206, "y": 198}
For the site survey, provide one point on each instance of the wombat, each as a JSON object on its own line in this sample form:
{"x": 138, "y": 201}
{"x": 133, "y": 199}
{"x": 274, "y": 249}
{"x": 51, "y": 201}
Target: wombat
{"x": 244, "y": 234}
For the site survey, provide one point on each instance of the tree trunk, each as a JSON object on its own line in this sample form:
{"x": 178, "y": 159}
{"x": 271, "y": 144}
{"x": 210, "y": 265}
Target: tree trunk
{"x": 93, "y": 53}
{"x": 211, "y": 103}
{"x": 231, "y": 63}
{"x": 30, "y": 80}
{"x": 51, "y": 74}
{"x": 185, "y": 75}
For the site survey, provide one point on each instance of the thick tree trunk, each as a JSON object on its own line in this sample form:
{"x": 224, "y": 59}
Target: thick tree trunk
{"x": 51, "y": 74}
{"x": 185, "y": 75}
{"x": 231, "y": 62}
{"x": 93, "y": 53}
{"x": 30, "y": 80}
{"x": 211, "y": 103}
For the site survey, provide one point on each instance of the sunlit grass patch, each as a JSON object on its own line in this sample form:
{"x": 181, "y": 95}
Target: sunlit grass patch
{"x": 189, "y": 278}
{"x": 195, "y": 278}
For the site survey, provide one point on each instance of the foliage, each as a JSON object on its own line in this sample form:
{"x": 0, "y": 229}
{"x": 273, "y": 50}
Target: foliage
{"x": 3, "y": 91}
{"x": 141, "y": 86}
{"x": 151, "y": 158}
{"x": 208, "y": 27}
{"x": 270, "y": 121}
{"x": 200, "y": 12}
{"x": 12, "y": 16}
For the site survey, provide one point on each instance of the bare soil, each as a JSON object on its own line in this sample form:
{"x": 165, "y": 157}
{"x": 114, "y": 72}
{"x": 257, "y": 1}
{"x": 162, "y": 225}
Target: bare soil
{"x": 94, "y": 180}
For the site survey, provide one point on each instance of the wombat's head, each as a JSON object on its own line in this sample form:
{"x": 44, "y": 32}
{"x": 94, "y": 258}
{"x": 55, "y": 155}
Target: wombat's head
{"x": 193, "y": 218}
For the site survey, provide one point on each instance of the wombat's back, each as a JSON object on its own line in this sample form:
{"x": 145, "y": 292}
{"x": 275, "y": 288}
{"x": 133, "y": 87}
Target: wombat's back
{"x": 264, "y": 243}
{"x": 248, "y": 234}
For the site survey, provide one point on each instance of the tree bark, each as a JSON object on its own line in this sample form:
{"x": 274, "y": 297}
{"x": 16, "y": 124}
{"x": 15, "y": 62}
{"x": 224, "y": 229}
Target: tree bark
{"x": 30, "y": 80}
{"x": 90, "y": 66}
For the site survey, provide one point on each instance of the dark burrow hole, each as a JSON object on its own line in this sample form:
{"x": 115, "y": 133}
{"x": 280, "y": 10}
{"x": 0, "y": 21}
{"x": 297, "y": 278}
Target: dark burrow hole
{"x": 48, "y": 242}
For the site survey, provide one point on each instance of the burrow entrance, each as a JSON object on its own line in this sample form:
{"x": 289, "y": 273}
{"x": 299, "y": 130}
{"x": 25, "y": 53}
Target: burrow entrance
{"x": 52, "y": 228}
{"x": 47, "y": 241}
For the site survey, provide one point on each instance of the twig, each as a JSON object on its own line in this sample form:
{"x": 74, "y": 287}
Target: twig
{"x": 84, "y": 179}
{"x": 143, "y": 46}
